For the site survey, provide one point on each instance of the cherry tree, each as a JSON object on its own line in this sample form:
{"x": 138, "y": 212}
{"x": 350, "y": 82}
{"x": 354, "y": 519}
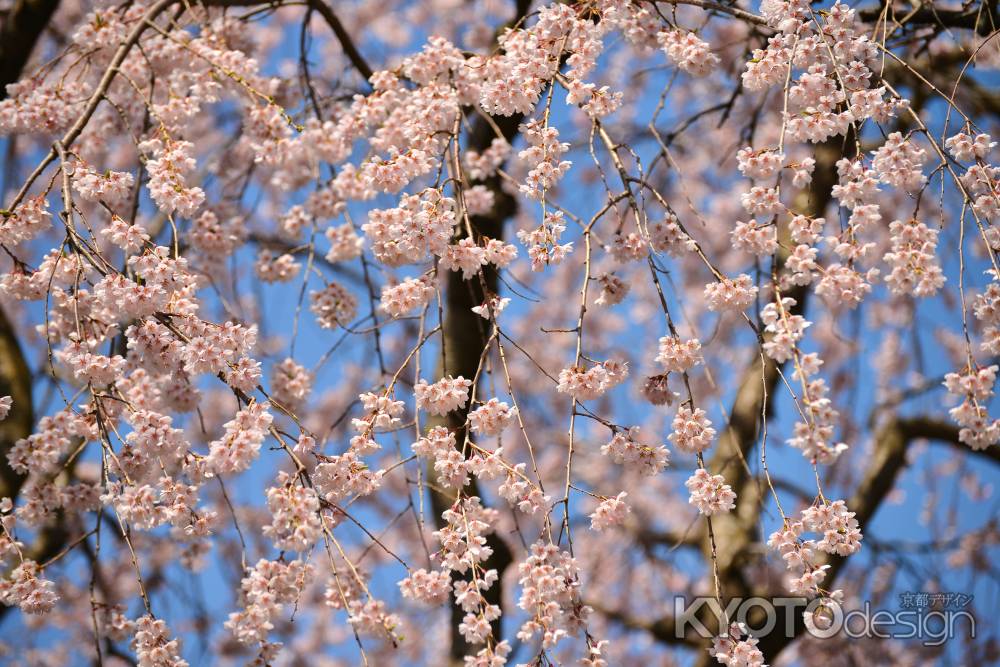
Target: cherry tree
{"x": 480, "y": 333}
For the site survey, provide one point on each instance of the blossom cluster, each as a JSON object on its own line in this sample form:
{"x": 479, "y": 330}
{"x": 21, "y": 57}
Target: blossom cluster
{"x": 978, "y": 430}
{"x": 447, "y": 394}
{"x": 585, "y": 384}
{"x": 710, "y": 493}
{"x": 841, "y": 536}
{"x": 626, "y": 448}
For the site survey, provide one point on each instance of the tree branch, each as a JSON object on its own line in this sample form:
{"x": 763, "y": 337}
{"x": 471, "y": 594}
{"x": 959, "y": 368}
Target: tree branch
{"x": 324, "y": 10}
{"x": 883, "y": 468}
{"x": 662, "y": 629}
{"x": 983, "y": 19}
{"x": 23, "y": 25}
{"x": 15, "y": 381}
{"x": 346, "y": 43}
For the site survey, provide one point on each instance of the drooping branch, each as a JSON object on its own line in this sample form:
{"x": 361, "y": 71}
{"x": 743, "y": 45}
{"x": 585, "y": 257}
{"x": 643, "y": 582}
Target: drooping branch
{"x": 464, "y": 338}
{"x": 886, "y": 462}
{"x": 737, "y": 531}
